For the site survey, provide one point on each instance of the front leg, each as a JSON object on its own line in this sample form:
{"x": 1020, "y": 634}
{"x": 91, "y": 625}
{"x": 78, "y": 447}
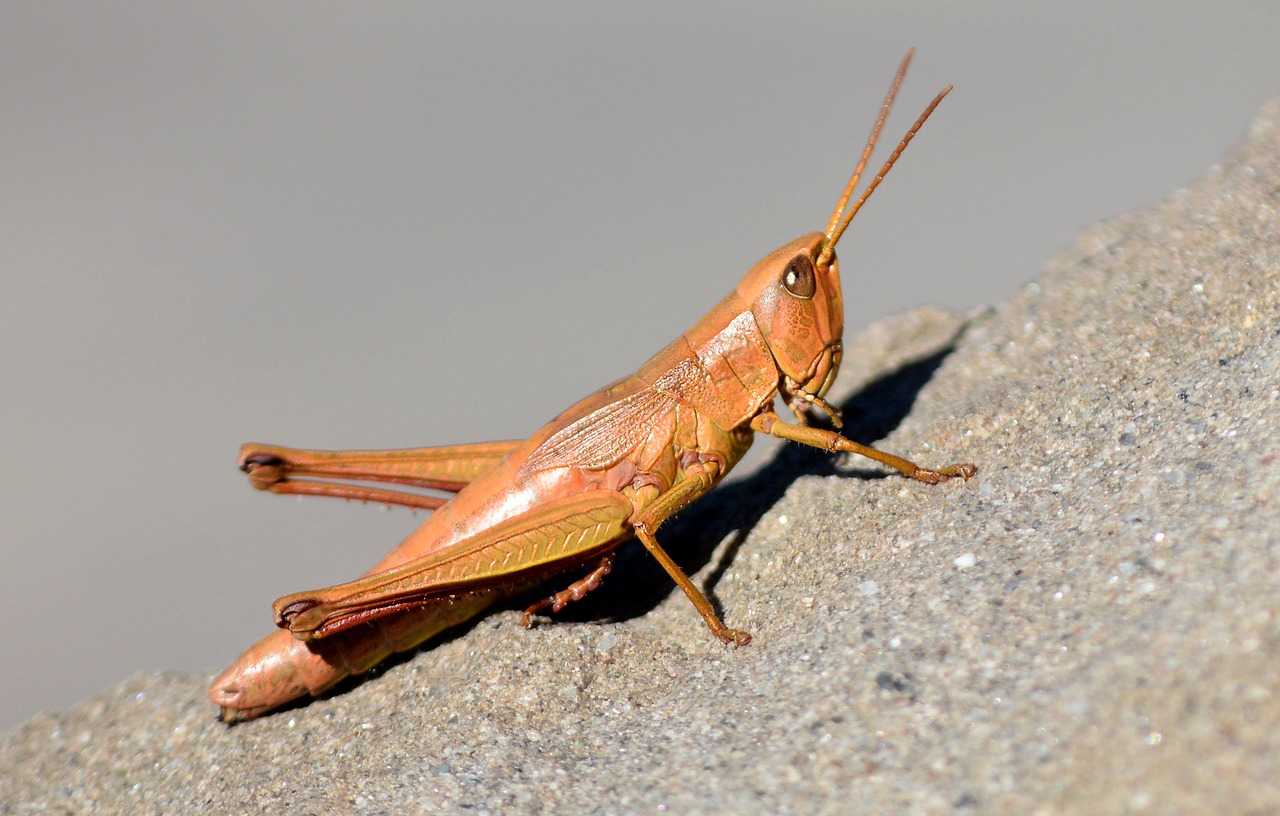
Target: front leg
{"x": 769, "y": 423}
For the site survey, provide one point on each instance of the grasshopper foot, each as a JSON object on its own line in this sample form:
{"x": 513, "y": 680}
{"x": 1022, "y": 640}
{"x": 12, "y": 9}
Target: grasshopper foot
{"x": 963, "y": 470}
{"x": 733, "y": 637}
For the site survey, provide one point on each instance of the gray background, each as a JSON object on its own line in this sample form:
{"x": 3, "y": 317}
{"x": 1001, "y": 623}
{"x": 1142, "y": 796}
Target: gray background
{"x": 387, "y": 225}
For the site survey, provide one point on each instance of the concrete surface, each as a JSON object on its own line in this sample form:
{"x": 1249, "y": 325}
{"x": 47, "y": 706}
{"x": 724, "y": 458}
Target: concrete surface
{"x": 1089, "y": 626}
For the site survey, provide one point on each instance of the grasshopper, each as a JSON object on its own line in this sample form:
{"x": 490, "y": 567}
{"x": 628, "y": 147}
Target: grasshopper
{"x": 614, "y": 466}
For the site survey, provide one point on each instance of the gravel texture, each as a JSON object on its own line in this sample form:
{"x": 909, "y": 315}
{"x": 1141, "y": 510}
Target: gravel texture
{"x": 1089, "y": 626}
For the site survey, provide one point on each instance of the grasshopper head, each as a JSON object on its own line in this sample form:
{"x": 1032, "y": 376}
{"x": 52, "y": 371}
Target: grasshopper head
{"x": 794, "y": 291}
{"x": 795, "y": 298}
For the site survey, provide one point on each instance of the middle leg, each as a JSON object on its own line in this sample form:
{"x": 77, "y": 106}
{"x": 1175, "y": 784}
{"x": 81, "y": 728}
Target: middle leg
{"x": 575, "y": 591}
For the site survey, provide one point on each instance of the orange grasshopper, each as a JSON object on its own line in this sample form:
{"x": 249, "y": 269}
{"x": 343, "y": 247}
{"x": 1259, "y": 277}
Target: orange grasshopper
{"x": 615, "y": 465}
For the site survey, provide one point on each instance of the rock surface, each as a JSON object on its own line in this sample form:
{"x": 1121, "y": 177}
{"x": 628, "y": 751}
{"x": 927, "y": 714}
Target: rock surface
{"x": 1089, "y": 626}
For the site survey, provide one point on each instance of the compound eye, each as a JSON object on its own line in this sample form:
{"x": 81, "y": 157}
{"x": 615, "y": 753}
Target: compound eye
{"x": 799, "y": 278}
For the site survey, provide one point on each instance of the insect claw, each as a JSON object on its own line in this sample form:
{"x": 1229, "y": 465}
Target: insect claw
{"x": 735, "y": 637}
{"x": 964, "y": 470}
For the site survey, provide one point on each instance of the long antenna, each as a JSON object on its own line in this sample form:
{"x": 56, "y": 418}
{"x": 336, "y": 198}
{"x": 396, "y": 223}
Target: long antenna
{"x": 871, "y": 142}
{"x": 833, "y": 231}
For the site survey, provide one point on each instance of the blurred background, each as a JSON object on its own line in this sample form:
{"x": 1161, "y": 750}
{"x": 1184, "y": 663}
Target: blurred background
{"x": 392, "y": 225}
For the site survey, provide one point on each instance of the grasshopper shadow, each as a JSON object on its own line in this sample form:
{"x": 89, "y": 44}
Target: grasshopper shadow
{"x": 638, "y": 584}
